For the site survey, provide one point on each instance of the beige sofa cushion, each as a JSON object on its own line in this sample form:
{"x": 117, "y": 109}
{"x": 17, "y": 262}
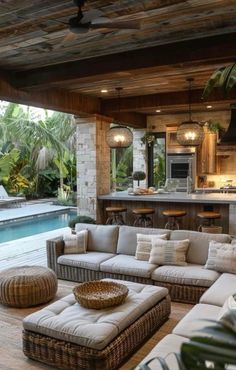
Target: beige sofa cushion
{"x": 76, "y": 243}
{"x": 199, "y": 243}
{"x": 144, "y": 245}
{"x": 127, "y": 265}
{"x": 170, "y": 343}
{"x": 101, "y": 238}
{"x": 221, "y": 257}
{"x": 66, "y": 320}
{"x": 220, "y": 290}
{"x": 187, "y": 275}
{"x": 195, "y": 320}
{"x": 127, "y": 241}
{"x": 90, "y": 260}
{"x": 169, "y": 252}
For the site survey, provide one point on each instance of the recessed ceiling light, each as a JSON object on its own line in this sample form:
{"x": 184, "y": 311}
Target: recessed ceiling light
{"x": 104, "y": 91}
{"x": 158, "y": 110}
{"x": 209, "y": 106}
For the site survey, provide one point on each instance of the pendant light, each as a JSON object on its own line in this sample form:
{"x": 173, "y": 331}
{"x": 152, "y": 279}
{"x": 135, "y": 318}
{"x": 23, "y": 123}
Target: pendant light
{"x": 190, "y": 133}
{"x": 119, "y": 136}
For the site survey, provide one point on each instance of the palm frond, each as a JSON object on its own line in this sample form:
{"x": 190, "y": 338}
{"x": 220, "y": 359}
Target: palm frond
{"x": 212, "y": 82}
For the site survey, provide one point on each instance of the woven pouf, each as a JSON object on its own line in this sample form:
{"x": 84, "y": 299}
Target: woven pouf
{"x": 27, "y": 286}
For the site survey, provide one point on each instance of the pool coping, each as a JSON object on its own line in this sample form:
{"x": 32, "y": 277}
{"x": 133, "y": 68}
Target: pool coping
{"x": 36, "y": 215}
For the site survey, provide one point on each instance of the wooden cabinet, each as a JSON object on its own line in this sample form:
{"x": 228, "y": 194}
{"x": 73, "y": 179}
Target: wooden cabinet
{"x": 207, "y": 160}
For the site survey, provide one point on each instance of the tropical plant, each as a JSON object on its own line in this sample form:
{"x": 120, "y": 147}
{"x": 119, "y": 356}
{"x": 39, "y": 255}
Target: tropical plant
{"x": 81, "y": 220}
{"x": 213, "y": 348}
{"x": 159, "y": 170}
{"x": 46, "y": 147}
{"x": 148, "y": 138}
{"x": 224, "y": 78}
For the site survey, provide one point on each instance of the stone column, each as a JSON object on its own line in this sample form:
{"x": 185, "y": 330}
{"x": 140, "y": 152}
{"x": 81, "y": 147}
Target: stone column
{"x": 93, "y": 163}
{"x": 139, "y": 156}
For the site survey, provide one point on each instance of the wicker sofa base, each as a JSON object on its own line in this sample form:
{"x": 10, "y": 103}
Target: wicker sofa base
{"x": 69, "y": 356}
{"x": 183, "y": 293}
{"x": 178, "y": 292}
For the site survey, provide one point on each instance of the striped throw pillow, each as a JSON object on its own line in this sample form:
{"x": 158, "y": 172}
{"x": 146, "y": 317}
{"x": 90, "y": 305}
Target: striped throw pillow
{"x": 169, "y": 252}
{"x": 144, "y": 245}
{"x": 76, "y": 243}
{"x": 221, "y": 257}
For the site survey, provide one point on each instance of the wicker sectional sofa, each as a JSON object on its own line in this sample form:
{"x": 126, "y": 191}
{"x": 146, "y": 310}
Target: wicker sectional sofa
{"x": 111, "y": 253}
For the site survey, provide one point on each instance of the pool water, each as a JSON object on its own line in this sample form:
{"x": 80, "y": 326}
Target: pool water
{"x": 34, "y": 225}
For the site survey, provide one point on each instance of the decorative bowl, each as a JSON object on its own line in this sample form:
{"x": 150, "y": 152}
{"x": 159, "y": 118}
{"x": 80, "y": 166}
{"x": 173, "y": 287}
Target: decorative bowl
{"x": 100, "y": 294}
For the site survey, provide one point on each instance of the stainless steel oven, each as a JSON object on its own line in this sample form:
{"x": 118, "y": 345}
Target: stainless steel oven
{"x": 179, "y": 167}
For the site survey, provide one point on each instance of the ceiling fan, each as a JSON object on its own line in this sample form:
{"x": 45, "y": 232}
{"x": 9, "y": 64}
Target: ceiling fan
{"x": 93, "y": 19}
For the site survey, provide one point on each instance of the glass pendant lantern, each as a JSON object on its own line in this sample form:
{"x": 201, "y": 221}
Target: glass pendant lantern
{"x": 119, "y": 136}
{"x": 190, "y": 133}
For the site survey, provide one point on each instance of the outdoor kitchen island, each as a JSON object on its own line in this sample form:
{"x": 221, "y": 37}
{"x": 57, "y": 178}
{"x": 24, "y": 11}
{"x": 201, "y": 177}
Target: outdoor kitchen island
{"x": 191, "y": 203}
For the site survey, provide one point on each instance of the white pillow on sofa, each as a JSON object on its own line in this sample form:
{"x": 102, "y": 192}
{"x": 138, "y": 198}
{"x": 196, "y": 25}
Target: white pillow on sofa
{"x": 227, "y": 314}
{"x": 76, "y": 243}
{"x": 169, "y": 252}
{"x": 144, "y": 245}
{"x": 221, "y": 257}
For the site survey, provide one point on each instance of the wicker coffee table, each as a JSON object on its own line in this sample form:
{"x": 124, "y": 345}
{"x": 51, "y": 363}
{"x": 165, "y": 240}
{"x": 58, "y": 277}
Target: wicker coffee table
{"x": 68, "y": 336}
{"x": 27, "y": 286}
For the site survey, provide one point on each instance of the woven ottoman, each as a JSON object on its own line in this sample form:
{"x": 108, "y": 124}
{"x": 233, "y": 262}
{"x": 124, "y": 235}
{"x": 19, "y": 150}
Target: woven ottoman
{"x": 27, "y": 286}
{"x": 68, "y": 336}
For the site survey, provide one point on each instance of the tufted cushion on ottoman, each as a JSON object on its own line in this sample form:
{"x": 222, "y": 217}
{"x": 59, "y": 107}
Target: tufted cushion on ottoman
{"x": 69, "y": 336}
{"x": 27, "y": 286}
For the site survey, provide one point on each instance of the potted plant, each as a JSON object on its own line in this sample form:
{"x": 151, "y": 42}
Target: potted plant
{"x": 224, "y": 78}
{"x": 148, "y": 138}
{"x": 80, "y": 220}
{"x": 216, "y": 350}
{"x": 139, "y": 176}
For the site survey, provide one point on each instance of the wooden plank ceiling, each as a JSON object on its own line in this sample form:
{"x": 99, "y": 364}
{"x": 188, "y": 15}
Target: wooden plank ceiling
{"x": 42, "y": 60}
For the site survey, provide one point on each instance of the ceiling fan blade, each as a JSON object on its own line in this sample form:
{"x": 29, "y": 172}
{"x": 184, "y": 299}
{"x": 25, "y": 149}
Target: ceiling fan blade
{"x": 128, "y": 25}
{"x": 70, "y": 37}
{"x": 91, "y": 15}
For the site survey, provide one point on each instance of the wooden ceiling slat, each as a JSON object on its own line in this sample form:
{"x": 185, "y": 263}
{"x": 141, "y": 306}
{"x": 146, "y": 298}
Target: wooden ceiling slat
{"x": 158, "y": 100}
{"x": 210, "y": 48}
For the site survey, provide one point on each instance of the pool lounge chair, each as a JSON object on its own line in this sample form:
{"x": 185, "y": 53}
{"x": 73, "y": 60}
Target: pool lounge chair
{"x": 8, "y": 201}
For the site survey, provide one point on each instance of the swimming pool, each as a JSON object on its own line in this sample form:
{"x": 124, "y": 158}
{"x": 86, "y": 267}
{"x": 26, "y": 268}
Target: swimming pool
{"x": 34, "y": 225}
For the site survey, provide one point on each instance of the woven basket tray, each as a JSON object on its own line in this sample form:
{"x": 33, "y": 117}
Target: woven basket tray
{"x": 100, "y": 294}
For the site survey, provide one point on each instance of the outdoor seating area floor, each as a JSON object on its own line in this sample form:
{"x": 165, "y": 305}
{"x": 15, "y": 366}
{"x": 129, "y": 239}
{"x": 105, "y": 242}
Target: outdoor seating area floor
{"x": 32, "y": 251}
{"x": 12, "y": 357}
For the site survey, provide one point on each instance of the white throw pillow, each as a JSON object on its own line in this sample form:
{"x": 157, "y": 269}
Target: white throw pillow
{"x": 76, "y": 243}
{"x": 221, "y": 257}
{"x": 144, "y": 245}
{"x": 169, "y": 252}
{"x": 227, "y": 314}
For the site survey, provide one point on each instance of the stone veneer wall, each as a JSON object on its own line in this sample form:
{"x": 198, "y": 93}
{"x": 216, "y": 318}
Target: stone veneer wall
{"x": 139, "y": 156}
{"x": 93, "y": 163}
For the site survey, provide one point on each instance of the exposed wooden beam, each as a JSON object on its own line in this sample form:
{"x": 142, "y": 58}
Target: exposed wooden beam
{"x": 58, "y": 100}
{"x": 209, "y": 48}
{"x": 132, "y": 119}
{"x": 109, "y": 106}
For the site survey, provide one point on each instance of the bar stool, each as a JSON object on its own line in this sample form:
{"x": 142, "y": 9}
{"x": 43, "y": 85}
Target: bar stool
{"x": 115, "y": 216}
{"x": 172, "y": 218}
{"x": 207, "y": 219}
{"x": 142, "y": 217}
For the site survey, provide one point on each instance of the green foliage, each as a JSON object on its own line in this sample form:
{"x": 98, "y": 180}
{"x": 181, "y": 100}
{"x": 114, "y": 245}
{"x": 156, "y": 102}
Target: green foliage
{"x": 148, "y": 138}
{"x": 46, "y": 147}
{"x": 159, "y": 170}
{"x": 121, "y": 168}
{"x": 213, "y": 348}
{"x": 139, "y": 175}
{"x": 81, "y": 220}
{"x": 224, "y": 78}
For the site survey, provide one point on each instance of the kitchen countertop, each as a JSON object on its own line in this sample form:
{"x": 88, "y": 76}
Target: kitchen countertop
{"x": 179, "y": 197}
